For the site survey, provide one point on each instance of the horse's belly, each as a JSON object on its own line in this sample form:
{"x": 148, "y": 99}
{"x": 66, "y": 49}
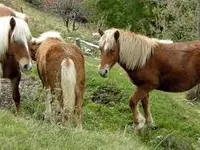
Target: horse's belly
{"x": 176, "y": 85}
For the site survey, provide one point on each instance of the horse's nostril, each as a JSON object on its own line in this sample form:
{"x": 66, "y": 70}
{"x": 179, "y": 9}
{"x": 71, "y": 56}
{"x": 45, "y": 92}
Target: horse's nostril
{"x": 103, "y": 72}
{"x": 106, "y": 71}
{"x": 26, "y": 66}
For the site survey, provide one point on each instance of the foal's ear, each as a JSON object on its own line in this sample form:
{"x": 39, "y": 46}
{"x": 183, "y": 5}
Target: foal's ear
{"x": 12, "y": 23}
{"x": 116, "y": 35}
{"x": 33, "y": 41}
{"x": 100, "y": 32}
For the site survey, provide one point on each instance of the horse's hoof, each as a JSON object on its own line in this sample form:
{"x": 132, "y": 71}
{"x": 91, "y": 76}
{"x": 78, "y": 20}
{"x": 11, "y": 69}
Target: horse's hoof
{"x": 140, "y": 127}
{"x": 130, "y": 123}
{"x": 152, "y": 126}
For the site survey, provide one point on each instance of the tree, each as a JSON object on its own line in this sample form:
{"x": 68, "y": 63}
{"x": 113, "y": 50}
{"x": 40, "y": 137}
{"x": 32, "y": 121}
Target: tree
{"x": 130, "y": 14}
{"x": 67, "y": 9}
{"x": 198, "y": 17}
{"x": 177, "y": 19}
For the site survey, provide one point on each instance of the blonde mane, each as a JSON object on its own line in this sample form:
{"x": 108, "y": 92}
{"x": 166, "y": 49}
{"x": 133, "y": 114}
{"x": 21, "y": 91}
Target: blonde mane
{"x": 20, "y": 34}
{"x": 4, "y": 33}
{"x": 135, "y": 49}
{"x": 44, "y": 36}
{"x": 20, "y": 15}
{"x": 167, "y": 41}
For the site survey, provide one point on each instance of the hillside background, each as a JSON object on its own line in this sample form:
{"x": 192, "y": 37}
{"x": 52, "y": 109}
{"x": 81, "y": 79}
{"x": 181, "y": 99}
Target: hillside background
{"x": 107, "y": 115}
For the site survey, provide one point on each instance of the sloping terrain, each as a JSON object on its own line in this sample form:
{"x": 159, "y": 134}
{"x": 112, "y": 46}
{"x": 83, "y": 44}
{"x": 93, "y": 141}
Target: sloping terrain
{"x": 106, "y": 111}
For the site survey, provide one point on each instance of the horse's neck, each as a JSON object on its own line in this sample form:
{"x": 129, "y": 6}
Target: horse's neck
{"x": 123, "y": 66}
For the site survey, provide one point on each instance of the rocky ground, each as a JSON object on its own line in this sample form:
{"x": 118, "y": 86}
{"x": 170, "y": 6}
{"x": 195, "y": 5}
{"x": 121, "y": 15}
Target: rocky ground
{"x": 28, "y": 87}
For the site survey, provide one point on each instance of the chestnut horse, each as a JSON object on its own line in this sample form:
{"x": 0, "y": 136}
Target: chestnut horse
{"x": 7, "y": 11}
{"x": 14, "y": 52}
{"x": 61, "y": 70}
{"x": 150, "y": 64}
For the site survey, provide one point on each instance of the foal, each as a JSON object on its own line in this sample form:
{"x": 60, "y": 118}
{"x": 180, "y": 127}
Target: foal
{"x": 61, "y": 70}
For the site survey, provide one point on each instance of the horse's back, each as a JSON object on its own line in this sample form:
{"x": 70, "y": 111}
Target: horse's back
{"x": 4, "y": 11}
{"x": 172, "y": 68}
{"x": 50, "y": 56}
{"x": 178, "y": 65}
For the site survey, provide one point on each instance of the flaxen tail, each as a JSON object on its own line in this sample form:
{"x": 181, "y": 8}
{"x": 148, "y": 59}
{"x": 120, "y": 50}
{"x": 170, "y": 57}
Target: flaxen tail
{"x": 68, "y": 84}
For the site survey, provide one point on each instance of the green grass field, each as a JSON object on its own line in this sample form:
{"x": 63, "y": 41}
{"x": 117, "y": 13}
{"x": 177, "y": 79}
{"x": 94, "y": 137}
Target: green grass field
{"x": 105, "y": 125}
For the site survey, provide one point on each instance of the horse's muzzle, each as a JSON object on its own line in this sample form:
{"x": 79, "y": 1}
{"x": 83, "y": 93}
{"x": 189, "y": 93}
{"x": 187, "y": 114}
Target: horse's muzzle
{"x": 27, "y": 67}
{"x": 103, "y": 72}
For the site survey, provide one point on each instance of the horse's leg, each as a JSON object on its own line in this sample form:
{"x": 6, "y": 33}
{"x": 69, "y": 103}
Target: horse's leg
{"x": 48, "y": 111}
{"x": 147, "y": 112}
{"x": 59, "y": 106}
{"x": 1, "y": 70}
{"x": 79, "y": 108}
{"x": 133, "y": 101}
{"x": 15, "y": 91}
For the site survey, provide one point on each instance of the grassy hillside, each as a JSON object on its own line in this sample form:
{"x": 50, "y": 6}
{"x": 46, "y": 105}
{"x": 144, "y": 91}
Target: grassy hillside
{"x": 20, "y": 133}
{"x": 106, "y": 110}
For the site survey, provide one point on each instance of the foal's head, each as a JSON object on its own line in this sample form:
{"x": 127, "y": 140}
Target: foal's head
{"x": 109, "y": 47}
{"x": 35, "y": 43}
{"x": 33, "y": 46}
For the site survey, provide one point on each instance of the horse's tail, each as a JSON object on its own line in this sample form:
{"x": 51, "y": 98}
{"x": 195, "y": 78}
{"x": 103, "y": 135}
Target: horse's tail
{"x": 68, "y": 85}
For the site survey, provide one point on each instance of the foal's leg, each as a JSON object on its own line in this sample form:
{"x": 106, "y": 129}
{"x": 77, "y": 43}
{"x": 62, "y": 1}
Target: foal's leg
{"x": 138, "y": 119}
{"x": 59, "y": 106}
{"x": 147, "y": 113}
{"x": 1, "y": 70}
{"x": 79, "y": 108}
{"x": 48, "y": 101}
{"x": 15, "y": 91}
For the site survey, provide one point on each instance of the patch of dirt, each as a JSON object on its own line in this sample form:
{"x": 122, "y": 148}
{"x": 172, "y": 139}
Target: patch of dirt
{"x": 108, "y": 94}
{"x": 27, "y": 86}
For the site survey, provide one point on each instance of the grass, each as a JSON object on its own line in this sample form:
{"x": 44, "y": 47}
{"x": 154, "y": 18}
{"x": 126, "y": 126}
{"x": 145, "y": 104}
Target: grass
{"x": 105, "y": 125}
{"x": 20, "y": 133}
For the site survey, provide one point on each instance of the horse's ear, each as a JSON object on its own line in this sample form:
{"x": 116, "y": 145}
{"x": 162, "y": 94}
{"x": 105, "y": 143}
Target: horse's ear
{"x": 33, "y": 41}
{"x": 12, "y": 23}
{"x": 100, "y": 32}
{"x": 116, "y": 35}
{"x": 21, "y": 10}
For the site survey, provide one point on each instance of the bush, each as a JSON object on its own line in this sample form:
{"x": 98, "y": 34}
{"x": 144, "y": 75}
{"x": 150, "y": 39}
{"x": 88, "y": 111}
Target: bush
{"x": 177, "y": 20}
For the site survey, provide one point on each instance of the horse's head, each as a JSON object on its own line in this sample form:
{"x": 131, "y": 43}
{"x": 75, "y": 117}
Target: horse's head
{"x": 33, "y": 46}
{"x": 35, "y": 43}
{"x": 21, "y": 54}
{"x": 109, "y": 47}
{"x": 19, "y": 36}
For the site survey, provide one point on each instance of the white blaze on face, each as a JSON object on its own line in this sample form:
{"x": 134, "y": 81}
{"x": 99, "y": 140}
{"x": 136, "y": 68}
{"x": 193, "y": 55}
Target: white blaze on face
{"x": 106, "y": 66}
